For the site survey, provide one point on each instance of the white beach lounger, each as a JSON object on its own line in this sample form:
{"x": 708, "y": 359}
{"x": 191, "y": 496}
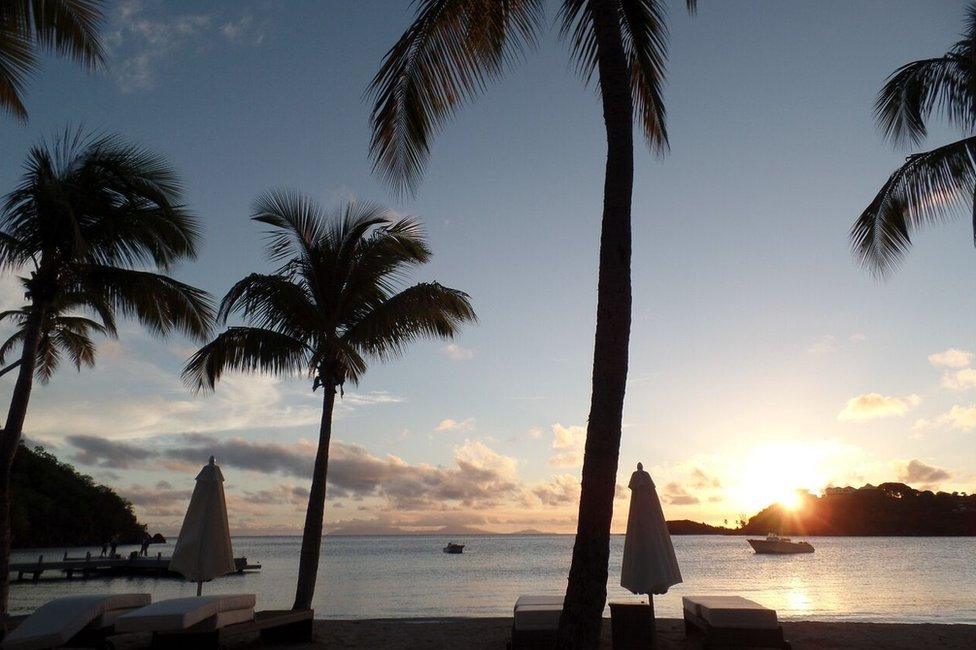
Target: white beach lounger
{"x": 536, "y": 621}
{"x": 733, "y": 621}
{"x": 64, "y": 620}
{"x": 201, "y": 613}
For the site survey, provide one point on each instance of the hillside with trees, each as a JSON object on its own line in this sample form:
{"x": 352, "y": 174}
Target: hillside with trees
{"x": 52, "y": 504}
{"x": 886, "y": 509}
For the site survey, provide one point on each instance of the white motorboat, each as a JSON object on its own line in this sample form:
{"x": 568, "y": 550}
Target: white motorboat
{"x": 776, "y": 545}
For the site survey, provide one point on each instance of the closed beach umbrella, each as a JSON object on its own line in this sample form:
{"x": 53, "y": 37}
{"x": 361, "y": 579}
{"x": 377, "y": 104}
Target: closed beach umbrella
{"x": 203, "y": 550}
{"x": 649, "y": 565}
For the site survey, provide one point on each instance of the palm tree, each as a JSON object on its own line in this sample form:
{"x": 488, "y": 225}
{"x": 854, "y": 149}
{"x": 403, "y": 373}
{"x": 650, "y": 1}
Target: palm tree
{"x": 334, "y": 302}
{"x": 62, "y": 333}
{"x": 68, "y": 27}
{"x": 934, "y": 185}
{"x": 447, "y": 55}
{"x": 90, "y": 215}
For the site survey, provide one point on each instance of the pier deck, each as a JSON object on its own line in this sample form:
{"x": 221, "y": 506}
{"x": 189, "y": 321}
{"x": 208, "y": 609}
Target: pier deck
{"x": 90, "y": 566}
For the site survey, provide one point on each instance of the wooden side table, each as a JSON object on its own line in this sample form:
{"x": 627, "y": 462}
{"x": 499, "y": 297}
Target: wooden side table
{"x": 632, "y": 625}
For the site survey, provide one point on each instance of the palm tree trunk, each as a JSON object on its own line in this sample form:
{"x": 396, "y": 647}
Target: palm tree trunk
{"x": 308, "y": 565}
{"x": 586, "y": 593}
{"x": 10, "y": 439}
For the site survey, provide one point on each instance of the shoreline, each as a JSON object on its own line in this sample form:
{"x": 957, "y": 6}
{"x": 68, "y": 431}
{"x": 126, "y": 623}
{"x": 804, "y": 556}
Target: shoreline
{"x": 494, "y": 633}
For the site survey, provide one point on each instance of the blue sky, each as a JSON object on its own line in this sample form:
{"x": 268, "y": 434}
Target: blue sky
{"x": 762, "y": 358}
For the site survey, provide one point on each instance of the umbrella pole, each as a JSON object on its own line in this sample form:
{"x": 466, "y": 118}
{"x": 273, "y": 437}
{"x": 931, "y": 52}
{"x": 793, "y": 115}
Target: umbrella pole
{"x": 199, "y": 587}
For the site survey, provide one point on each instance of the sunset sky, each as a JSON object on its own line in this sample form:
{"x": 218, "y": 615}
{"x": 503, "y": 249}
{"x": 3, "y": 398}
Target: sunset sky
{"x": 762, "y": 358}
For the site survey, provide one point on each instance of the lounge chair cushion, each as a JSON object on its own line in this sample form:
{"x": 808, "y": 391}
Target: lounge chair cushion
{"x": 56, "y": 622}
{"x": 731, "y": 612}
{"x": 180, "y": 613}
{"x": 538, "y": 612}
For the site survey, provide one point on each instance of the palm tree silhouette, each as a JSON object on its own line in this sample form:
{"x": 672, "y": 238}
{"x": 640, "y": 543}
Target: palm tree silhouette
{"x": 934, "y": 185}
{"x": 90, "y": 211}
{"x": 447, "y": 55}
{"x": 334, "y": 302}
{"x": 62, "y": 333}
{"x": 68, "y": 27}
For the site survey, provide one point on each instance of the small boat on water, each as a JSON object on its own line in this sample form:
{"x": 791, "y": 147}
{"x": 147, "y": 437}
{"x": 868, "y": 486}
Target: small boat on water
{"x": 454, "y": 549}
{"x": 776, "y": 545}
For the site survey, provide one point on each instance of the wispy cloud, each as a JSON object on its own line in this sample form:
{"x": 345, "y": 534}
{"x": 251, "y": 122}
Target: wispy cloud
{"x": 455, "y": 352}
{"x": 142, "y": 36}
{"x": 959, "y": 380}
{"x": 958, "y": 417}
{"x": 870, "y": 406}
{"x": 452, "y": 425}
{"x": 951, "y": 358}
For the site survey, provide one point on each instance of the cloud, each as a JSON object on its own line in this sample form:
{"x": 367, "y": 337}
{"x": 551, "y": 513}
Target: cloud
{"x": 102, "y": 452}
{"x": 676, "y": 495}
{"x": 449, "y": 424}
{"x": 569, "y": 442}
{"x": 958, "y": 417}
{"x": 479, "y": 475}
{"x": 455, "y": 352}
{"x": 560, "y": 490}
{"x": 823, "y": 345}
{"x": 535, "y": 432}
{"x": 700, "y": 480}
{"x": 915, "y": 471}
{"x": 870, "y": 406}
{"x": 964, "y": 379}
{"x": 951, "y": 358}
{"x": 142, "y": 37}
{"x": 858, "y": 337}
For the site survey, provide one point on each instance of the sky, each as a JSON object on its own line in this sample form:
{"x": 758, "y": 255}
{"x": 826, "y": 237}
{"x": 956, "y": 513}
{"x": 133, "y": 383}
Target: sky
{"x": 763, "y": 359}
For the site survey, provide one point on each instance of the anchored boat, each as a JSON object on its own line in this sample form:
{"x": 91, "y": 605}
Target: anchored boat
{"x": 454, "y": 549}
{"x": 776, "y": 545}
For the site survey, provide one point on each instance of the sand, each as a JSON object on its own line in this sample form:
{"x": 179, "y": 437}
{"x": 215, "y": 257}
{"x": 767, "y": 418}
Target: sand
{"x": 493, "y": 633}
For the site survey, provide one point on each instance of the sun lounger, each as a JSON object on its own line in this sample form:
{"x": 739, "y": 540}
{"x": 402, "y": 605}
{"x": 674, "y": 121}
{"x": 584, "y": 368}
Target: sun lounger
{"x": 536, "y": 621}
{"x": 207, "y": 621}
{"x": 730, "y": 621}
{"x": 72, "y": 620}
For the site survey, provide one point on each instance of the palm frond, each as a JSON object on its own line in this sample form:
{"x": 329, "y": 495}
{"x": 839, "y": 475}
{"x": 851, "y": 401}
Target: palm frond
{"x": 929, "y": 188}
{"x": 247, "y": 349}
{"x": 68, "y": 27}
{"x": 271, "y": 302}
{"x": 644, "y": 35}
{"x": 916, "y": 90}
{"x": 77, "y": 344}
{"x": 297, "y": 222}
{"x": 447, "y": 55}
{"x": 426, "y": 310}
{"x": 159, "y": 302}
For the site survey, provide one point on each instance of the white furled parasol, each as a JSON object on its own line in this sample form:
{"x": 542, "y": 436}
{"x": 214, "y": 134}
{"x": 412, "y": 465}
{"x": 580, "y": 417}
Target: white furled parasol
{"x": 649, "y": 565}
{"x": 203, "y": 551}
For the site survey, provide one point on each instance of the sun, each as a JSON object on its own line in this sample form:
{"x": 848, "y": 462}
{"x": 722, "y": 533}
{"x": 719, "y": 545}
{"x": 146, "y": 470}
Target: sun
{"x": 778, "y": 473}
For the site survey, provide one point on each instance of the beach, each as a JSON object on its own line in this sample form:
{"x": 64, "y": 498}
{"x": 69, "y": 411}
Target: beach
{"x": 493, "y": 633}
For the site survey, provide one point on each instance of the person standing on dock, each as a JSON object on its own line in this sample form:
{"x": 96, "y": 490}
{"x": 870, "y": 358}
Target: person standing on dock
{"x": 146, "y": 541}
{"x": 114, "y": 545}
{"x": 104, "y": 549}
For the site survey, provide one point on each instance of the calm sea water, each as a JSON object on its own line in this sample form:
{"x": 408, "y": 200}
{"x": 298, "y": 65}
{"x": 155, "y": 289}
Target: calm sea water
{"x": 870, "y": 579}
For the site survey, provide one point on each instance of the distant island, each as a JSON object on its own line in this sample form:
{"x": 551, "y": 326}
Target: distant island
{"x": 52, "y": 504}
{"x": 889, "y": 509}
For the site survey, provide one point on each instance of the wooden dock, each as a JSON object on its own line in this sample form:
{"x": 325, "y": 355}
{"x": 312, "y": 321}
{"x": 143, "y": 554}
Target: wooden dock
{"x": 90, "y": 566}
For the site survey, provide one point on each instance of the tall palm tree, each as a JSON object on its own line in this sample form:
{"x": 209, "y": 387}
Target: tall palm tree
{"x": 447, "y": 55}
{"x": 334, "y": 302}
{"x": 68, "y": 27}
{"x": 90, "y": 216}
{"x": 930, "y": 186}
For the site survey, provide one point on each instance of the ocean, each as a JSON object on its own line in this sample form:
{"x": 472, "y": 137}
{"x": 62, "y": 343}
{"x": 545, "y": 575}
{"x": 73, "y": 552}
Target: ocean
{"x": 880, "y": 579}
